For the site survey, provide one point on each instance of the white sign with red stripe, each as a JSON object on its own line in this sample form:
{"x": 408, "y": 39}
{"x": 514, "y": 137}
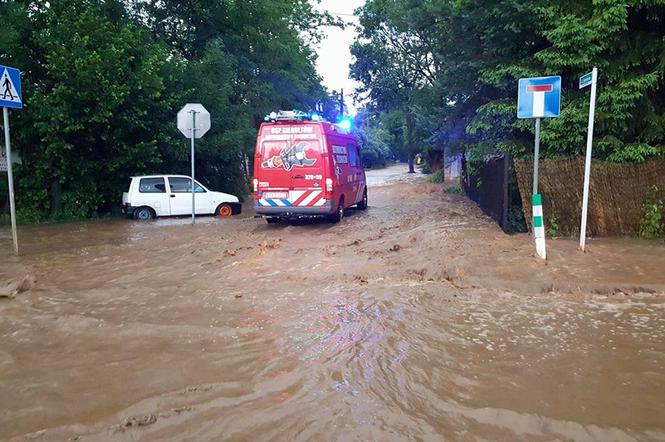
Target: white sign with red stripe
{"x": 538, "y": 91}
{"x": 539, "y": 97}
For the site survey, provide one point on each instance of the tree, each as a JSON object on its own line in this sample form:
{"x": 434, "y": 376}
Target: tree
{"x": 95, "y": 100}
{"x": 394, "y": 63}
{"x": 481, "y": 48}
{"x": 244, "y": 61}
{"x": 104, "y": 79}
{"x": 374, "y": 139}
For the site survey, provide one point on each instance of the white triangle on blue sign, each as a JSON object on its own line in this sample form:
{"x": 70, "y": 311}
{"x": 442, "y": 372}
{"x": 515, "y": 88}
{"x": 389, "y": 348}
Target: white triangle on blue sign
{"x": 7, "y": 89}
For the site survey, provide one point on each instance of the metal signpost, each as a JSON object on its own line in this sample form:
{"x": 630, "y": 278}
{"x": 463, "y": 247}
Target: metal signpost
{"x": 538, "y": 97}
{"x": 193, "y": 122}
{"x": 589, "y": 79}
{"x": 10, "y": 97}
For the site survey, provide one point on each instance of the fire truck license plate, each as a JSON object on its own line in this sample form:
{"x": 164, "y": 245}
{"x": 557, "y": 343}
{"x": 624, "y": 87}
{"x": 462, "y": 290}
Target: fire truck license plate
{"x": 275, "y": 195}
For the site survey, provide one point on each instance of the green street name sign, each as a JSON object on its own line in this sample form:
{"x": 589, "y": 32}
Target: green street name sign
{"x": 585, "y": 80}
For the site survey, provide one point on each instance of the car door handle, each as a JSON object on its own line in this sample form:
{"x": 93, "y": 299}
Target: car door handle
{"x": 172, "y": 196}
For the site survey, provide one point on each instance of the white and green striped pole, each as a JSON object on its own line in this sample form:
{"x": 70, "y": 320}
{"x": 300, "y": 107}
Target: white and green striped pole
{"x": 538, "y": 225}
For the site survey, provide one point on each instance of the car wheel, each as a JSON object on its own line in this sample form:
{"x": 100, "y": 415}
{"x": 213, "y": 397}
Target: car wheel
{"x": 144, "y": 214}
{"x": 224, "y": 210}
{"x": 272, "y": 220}
{"x": 362, "y": 205}
{"x": 339, "y": 214}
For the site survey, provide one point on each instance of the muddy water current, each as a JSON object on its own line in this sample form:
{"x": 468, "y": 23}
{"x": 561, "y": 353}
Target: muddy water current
{"x": 415, "y": 320}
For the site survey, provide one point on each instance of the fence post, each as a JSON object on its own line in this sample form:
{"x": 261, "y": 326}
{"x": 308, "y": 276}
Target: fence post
{"x": 506, "y": 192}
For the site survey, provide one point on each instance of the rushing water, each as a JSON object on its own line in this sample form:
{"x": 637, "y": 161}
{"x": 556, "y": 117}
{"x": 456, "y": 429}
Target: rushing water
{"x": 376, "y": 329}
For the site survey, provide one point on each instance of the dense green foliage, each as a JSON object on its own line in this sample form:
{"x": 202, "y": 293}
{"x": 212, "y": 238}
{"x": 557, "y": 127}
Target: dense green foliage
{"x": 454, "y": 190}
{"x": 104, "y": 79}
{"x": 397, "y": 71}
{"x": 436, "y": 177}
{"x": 453, "y": 65}
{"x": 651, "y": 225}
{"x": 373, "y": 139}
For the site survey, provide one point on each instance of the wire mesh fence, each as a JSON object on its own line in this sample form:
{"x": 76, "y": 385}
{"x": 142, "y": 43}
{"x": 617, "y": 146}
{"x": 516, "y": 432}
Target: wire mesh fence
{"x": 617, "y": 192}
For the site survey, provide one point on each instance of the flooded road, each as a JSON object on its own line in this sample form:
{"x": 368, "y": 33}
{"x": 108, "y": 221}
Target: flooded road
{"x": 415, "y": 320}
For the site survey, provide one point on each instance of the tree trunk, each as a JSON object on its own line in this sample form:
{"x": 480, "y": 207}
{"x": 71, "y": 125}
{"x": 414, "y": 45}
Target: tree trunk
{"x": 506, "y": 193}
{"x": 56, "y": 197}
{"x": 410, "y": 145}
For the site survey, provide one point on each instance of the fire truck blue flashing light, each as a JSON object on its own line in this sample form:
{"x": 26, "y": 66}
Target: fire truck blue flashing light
{"x": 345, "y": 123}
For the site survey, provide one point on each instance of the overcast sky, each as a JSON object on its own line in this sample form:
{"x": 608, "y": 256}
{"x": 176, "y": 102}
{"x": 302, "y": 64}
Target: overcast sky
{"x": 334, "y": 51}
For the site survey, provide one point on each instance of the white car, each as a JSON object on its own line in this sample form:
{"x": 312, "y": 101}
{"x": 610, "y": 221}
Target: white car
{"x": 171, "y": 195}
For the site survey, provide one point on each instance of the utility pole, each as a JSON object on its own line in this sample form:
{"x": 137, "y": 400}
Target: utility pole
{"x": 341, "y": 102}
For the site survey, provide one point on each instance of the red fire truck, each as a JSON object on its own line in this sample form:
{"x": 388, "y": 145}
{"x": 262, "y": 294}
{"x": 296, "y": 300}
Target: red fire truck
{"x": 306, "y": 168}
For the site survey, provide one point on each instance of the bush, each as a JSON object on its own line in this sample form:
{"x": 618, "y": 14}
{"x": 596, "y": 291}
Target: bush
{"x": 455, "y": 190}
{"x": 516, "y": 221}
{"x": 651, "y": 225}
{"x": 436, "y": 177}
{"x": 553, "y": 225}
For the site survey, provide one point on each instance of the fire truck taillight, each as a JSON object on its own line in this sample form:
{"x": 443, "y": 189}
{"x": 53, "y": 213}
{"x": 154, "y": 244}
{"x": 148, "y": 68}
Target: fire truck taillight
{"x": 329, "y": 185}
{"x": 256, "y": 185}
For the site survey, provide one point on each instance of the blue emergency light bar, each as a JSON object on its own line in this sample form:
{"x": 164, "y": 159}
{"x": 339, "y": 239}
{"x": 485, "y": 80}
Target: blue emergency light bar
{"x": 293, "y": 115}
{"x": 345, "y": 123}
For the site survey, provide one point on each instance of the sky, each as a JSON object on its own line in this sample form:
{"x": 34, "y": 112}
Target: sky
{"x": 334, "y": 52}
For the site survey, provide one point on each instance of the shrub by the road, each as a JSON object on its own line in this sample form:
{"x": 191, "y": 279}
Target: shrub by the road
{"x": 651, "y": 225}
{"x": 436, "y": 177}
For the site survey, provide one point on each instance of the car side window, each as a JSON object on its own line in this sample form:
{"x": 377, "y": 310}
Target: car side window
{"x": 353, "y": 155}
{"x": 152, "y": 185}
{"x": 184, "y": 185}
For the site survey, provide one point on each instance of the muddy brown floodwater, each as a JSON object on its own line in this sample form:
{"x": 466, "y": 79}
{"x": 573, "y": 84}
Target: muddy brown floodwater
{"x": 416, "y": 320}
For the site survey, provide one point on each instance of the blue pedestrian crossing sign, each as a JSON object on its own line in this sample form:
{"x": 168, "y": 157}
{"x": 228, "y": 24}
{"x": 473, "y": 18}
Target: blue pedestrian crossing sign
{"x": 10, "y": 88}
{"x": 539, "y": 97}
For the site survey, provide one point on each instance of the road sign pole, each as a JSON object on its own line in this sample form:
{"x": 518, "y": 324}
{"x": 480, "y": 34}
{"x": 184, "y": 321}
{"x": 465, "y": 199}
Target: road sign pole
{"x": 538, "y": 225}
{"x": 193, "y": 189}
{"x": 10, "y": 177}
{"x": 189, "y": 117}
{"x": 536, "y": 157}
{"x": 587, "y": 163}
{"x": 538, "y": 97}
{"x": 536, "y": 200}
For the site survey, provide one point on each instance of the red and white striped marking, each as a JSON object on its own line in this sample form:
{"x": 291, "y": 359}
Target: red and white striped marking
{"x": 297, "y": 198}
{"x": 307, "y": 198}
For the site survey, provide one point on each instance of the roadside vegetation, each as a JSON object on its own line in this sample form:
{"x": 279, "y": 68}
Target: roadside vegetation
{"x": 454, "y": 190}
{"x": 103, "y": 81}
{"x": 652, "y": 224}
{"x": 436, "y": 177}
{"x": 442, "y": 75}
